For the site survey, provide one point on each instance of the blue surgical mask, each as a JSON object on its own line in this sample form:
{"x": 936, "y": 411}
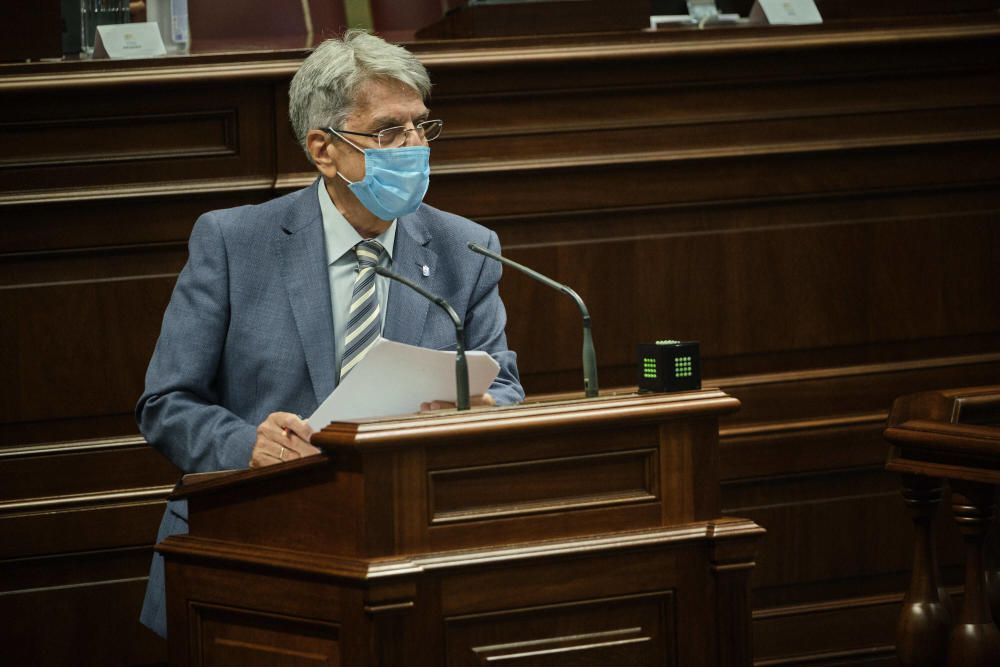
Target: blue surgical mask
{"x": 395, "y": 181}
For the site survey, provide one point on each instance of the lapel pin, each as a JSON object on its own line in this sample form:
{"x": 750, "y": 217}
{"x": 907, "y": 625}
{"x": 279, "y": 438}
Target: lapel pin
{"x": 426, "y": 270}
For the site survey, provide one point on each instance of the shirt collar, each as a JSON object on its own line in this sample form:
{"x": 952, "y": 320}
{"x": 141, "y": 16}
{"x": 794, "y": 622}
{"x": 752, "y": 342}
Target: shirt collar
{"x": 339, "y": 235}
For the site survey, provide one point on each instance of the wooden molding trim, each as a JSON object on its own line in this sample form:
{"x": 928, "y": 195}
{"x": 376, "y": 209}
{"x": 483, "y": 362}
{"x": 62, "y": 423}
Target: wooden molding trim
{"x": 810, "y": 375}
{"x": 831, "y": 605}
{"x": 723, "y": 45}
{"x": 716, "y": 117}
{"x": 540, "y": 649}
{"x": 78, "y": 500}
{"x": 75, "y": 586}
{"x": 137, "y": 190}
{"x": 641, "y": 461}
{"x": 281, "y": 183}
{"x": 294, "y": 181}
{"x": 386, "y": 608}
{"x": 461, "y": 56}
{"x": 830, "y": 656}
{"x": 227, "y": 118}
{"x": 850, "y": 371}
{"x": 565, "y": 162}
{"x": 72, "y": 447}
{"x": 576, "y": 413}
{"x": 766, "y": 428}
{"x": 163, "y": 246}
{"x": 299, "y": 180}
{"x": 179, "y": 73}
{"x": 182, "y": 546}
{"x": 783, "y": 427}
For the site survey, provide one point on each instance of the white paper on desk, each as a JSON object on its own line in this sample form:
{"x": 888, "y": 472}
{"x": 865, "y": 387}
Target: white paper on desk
{"x": 395, "y": 378}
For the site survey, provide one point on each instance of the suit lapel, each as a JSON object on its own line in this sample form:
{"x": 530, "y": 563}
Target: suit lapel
{"x": 305, "y": 275}
{"x": 406, "y": 310}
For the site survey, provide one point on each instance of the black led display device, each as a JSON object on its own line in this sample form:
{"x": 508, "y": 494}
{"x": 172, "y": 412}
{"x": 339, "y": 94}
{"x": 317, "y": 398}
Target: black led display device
{"x": 669, "y": 365}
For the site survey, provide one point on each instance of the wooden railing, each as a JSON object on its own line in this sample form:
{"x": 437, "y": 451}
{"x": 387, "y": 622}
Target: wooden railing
{"x": 948, "y": 436}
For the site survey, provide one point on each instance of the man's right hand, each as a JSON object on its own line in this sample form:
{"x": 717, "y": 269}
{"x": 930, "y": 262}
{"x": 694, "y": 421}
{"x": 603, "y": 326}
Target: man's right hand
{"x": 281, "y": 437}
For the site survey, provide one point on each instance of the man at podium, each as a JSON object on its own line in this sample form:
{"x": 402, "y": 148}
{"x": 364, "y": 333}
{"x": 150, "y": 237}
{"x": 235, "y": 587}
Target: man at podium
{"x": 279, "y": 301}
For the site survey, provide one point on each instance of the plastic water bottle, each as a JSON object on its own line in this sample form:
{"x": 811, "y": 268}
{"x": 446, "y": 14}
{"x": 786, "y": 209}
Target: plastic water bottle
{"x": 171, "y": 16}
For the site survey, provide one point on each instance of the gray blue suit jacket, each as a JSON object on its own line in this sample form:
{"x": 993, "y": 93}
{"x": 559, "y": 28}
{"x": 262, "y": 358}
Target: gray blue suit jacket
{"x": 249, "y": 331}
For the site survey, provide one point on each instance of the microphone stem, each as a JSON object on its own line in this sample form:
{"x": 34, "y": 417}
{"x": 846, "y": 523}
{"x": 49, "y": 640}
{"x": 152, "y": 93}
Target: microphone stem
{"x": 589, "y": 355}
{"x": 461, "y": 365}
{"x": 461, "y": 374}
{"x": 589, "y": 361}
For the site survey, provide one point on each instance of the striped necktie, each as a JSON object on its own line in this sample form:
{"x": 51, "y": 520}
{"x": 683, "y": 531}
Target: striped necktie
{"x": 363, "y": 319}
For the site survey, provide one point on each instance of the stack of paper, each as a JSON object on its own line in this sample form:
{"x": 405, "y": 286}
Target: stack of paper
{"x": 394, "y": 379}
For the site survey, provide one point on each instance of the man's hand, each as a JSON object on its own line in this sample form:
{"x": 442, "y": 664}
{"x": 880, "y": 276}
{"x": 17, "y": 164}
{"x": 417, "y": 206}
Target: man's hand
{"x": 281, "y": 437}
{"x": 485, "y": 399}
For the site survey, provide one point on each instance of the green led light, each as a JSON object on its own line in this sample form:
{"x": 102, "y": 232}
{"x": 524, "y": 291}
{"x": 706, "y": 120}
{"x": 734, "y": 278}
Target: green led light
{"x": 683, "y": 367}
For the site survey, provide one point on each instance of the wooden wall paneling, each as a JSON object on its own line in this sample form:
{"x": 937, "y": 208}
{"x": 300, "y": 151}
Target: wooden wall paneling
{"x": 773, "y": 193}
{"x": 96, "y": 208}
{"x": 107, "y": 266}
{"x": 773, "y": 133}
{"x": 644, "y": 590}
{"x": 845, "y": 396}
{"x": 77, "y": 522}
{"x": 845, "y": 632}
{"x": 609, "y": 63}
{"x": 634, "y": 630}
{"x": 113, "y": 220}
{"x": 46, "y": 627}
{"x": 72, "y": 579}
{"x": 595, "y": 183}
{"x": 828, "y": 567}
{"x": 291, "y": 164}
{"x": 30, "y": 474}
{"x": 315, "y": 606}
{"x": 754, "y": 307}
{"x": 85, "y": 527}
{"x": 47, "y": 356}
{"x": 144, "y": 132}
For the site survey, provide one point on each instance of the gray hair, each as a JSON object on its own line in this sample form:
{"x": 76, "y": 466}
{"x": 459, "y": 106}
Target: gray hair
{"x": 324, "y": 91}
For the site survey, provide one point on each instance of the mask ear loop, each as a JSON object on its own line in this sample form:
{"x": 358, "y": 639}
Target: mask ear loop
{"x": 356, "y": 147}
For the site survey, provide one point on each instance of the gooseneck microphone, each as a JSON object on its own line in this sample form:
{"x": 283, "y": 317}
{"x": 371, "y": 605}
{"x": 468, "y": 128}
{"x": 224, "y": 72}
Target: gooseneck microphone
{"x": 461, "y": 365}
{"x": 589, "y": 356}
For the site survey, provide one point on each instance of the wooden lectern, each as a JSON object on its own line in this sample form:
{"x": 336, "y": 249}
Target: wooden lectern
{"x": 582, "y": 532}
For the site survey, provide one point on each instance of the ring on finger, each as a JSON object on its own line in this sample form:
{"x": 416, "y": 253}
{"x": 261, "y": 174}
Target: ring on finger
{"x": 281, "y": 454}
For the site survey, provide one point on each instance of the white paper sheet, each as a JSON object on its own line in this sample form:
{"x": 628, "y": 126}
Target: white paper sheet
{"x": 785, "y": 12}
{"x": 394, "y": 379}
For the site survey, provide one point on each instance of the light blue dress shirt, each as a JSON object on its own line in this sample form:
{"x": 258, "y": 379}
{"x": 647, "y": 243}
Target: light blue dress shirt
{"x": 342, "y": 265}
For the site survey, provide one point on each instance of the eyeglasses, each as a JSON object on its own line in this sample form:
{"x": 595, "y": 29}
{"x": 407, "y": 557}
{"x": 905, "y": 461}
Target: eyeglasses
{"x": 394, "y": 137}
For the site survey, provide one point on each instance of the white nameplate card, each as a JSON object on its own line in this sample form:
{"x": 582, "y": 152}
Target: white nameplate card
{"x": 129, "y": 40}
{"x": 785, "y": 12}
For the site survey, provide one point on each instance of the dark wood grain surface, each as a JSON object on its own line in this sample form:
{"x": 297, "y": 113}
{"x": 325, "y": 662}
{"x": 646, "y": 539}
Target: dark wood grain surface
{"x": 817, "y": 206}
